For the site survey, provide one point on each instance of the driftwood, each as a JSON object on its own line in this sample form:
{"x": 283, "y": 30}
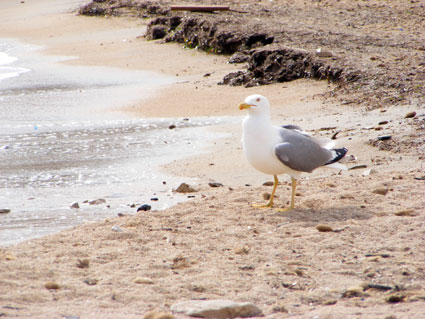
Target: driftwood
{"x": 200, "y": 8}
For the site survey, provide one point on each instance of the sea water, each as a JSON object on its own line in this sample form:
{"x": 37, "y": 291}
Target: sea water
{"x": 62, "y": 140}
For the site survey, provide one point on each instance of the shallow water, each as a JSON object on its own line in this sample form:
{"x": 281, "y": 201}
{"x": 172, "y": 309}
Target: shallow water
{"x": 61, "y": 142}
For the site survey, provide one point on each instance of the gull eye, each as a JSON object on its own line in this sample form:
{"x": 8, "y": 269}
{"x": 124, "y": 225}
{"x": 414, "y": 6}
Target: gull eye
{"x": 257, "y": 99}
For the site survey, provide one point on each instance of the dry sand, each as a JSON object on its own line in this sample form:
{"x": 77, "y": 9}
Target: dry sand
{"x": 216, "y": 245}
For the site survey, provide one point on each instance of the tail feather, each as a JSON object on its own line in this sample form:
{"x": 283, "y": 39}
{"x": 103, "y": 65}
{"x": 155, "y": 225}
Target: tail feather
{"x": 339, "y": 153}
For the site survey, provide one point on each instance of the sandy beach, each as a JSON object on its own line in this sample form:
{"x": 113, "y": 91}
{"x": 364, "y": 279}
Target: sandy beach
{"x": 369, "y": 264}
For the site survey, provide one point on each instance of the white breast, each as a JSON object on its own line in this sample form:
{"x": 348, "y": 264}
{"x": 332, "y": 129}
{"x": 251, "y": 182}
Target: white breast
{"x": 258, "y": 140}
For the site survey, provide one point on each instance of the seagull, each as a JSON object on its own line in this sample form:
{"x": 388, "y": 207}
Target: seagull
{"x": 287, "y": 149}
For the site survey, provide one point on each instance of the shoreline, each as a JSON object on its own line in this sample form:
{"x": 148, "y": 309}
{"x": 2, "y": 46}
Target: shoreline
{"x": 217, "y": 246}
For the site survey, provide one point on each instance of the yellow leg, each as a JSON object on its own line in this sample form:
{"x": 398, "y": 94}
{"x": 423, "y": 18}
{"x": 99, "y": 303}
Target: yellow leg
{"x": 270, "y": 203}
{"x": 292, "y": 205}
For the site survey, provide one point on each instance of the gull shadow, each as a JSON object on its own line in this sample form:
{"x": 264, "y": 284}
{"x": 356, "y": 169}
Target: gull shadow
{"x": 322, "y": 215}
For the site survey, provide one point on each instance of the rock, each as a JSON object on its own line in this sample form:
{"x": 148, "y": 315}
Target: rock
{"x": 384, "y": 137}
{"x": 383, "y": 123}
{"x": 215, "y": 184}
{"x": 380, "y": 191}
{"x": 143, "y": 280}
{"x": 323, "y": 54}
{"x": 158, "y": 32}
{"x": 239, "y": 57}
{"x": 407, "y": 212}
{"x": 97, "y": 201}
{"x": 51, "y": 285}
{"x": 185, "y": 188}
{"x": 353, "y": 292}
{"x": 395, "y": 298}
{"x": 157, "y": 314}
{"x": 116, "y": 229}
{"x": 180, "y": 262}
{"x": 91, "y": 281}
{"x": 144, "y": 207}
{"x": 5, "y": 211}
{"x": 324, "y": 228}
{"x": 172, "y": 126}
{"x": 369, "y": 172}
{"x": 83, "y": 263}
{"x": 410, "y": 115}
{"x": 219, "y": 309}
{"x": 242, "y": 250}
{"x": 74, "y": 205}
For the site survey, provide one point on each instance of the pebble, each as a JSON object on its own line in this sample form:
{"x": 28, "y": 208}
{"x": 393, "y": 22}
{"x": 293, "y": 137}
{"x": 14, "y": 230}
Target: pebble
{"x": 158, "y": 314}
{"x": 219, "y": 308}
{"x": 74, "y": 205}
{"x": 172, "y": 127}
{"x": 4, "y": 211}
{"x": 383, "y": 123}
{"x": 83, "y": 263}
{"x": 144, "y": 207}
{"x": 369, "y": 171}
{"x": 324, "y": 228}
{"x": 97, "y": 201}
{"x": 384, "y": 137}
{"x": 407, "y": 212}
{"x": 215, "y": 184}
{"x": 353, "y": 292}
{"x": 410, "y": 115}
{"x": 185, "y": 188}
{"x": 143, "y": 280}
{"x": 242, "y": 250}
{"x": 51, "y": 285}
{"x": 91, "y": 281}
{"x": 380, "y": 191}
{"x": 116, "y": 229}
{"x": 395, "y": 298}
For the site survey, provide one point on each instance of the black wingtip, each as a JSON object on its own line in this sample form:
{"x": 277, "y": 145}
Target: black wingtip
{"x": 340, "y": 153}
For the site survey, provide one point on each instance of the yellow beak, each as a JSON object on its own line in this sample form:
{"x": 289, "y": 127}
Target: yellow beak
{"x": 244, "y": 106}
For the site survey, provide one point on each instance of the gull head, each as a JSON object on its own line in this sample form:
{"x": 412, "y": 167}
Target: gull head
{"x": 256, "y": 104}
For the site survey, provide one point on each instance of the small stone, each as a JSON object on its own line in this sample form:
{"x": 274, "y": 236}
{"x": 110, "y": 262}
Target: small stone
{"x": 144, "y": 208}
{"x": 219, "y": 308}
{"x": 242, "y": 250}
{"x": 410, "y": 115}
{"x": 185, "y": 188}
{"x": 97, "y": 201}
{"x": 380, "y": 191}
{"x": 384, "y": 137}
{"x": 91, "y": 281}
{"x": 353, "y": 292}
{"x": 180, "y": 262}
{"x": 378, "y": 128}
{"x": 324, "y": 228}
{"x": 407, "y": 212}
{"x": 172, "y": 127}
{"x": 266, "y": 196}
{"x": 143, "y": 280}
{"x": 116, "y": 229}
{"x": 395, "y": 298}
{"x": 51, "y": 285}
{"x": 383, "y": 123}
{"x": 369, "y": 171}
{"x": 157, "y": 314}
{"x": 330, "y": 302}
{"x": 83, "y": 263}
{"x": 268, "y": 184}
{"x": 4, "y": 211}
{"x": 74, "y": 205}
{"x": 215, "y": 184}
{"x": 323, "y": 53}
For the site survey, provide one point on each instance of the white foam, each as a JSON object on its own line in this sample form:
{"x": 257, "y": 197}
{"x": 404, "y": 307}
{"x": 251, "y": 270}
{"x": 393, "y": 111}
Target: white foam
{"x": 8, "y": 71}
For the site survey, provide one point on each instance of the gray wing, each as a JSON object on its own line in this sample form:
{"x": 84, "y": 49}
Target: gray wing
{"x": 301, "y": 152}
